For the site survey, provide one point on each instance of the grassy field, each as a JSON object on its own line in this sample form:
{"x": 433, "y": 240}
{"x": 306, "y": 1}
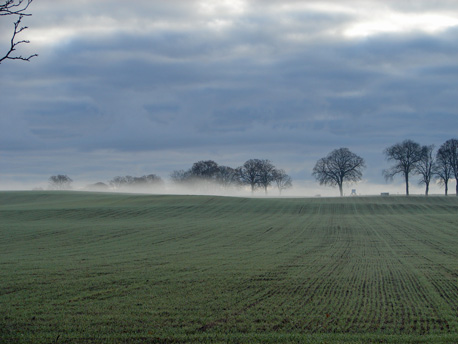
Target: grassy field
{"x": 116, "y": 268}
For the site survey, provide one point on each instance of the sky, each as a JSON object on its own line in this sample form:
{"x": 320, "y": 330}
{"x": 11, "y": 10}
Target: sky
{"x": 134, "y": 88}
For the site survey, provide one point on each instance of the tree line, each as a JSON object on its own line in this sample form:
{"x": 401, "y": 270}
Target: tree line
{"x": 408, "y": 158}
{"x": 255, "y": 173}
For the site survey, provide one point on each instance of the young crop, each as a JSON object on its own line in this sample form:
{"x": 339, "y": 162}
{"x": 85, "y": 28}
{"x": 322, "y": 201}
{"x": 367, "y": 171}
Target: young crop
{"x": 82, "y": 267}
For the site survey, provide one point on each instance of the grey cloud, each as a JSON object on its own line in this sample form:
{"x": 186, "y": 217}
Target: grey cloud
{"x": 162, "y": 113}
{"x": 249, "y": 90}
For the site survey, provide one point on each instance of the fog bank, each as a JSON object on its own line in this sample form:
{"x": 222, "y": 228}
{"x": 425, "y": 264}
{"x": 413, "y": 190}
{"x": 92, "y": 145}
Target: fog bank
{"x": 299, "y": 189}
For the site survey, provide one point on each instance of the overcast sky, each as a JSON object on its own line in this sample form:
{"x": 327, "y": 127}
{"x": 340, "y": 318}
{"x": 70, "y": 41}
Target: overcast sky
{"x": 140, "y": 87}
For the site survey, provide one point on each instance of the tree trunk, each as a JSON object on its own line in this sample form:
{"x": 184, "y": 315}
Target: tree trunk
{"x": 407, "y": 185}
{"x": 446, "y": 188}
{"x": 427, "y": 189}
{"x": 457, "y": 186}
{"x": 341, "y": 190}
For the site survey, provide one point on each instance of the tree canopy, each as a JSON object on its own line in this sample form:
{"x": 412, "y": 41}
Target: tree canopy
{"x": 60, "y": 182}
{"x": 405, "y": 157}
{"x": 339, "y": 167}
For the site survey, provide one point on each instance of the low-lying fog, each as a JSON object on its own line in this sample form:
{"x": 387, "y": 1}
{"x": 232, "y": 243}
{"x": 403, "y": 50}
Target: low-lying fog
{"x": 299, "y": 189}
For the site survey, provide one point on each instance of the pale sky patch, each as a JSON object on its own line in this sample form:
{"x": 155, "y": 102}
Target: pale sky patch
{"x": 222, "y": 8}
{"x": 400, "y": 23}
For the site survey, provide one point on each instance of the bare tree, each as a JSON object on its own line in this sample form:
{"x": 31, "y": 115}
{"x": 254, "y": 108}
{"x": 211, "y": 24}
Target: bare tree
{"x": 117, "y": 182}
{"x": 405, "y": 156}
{"x": 207, "y": 170}
{"x": 450, "y": 151}
{"x": 266, "y": 174}
{"x": 180, "y": 176}
{"x": 426, "y": 166}
{"x": 60, "y": 182}
{"x": 282, "y": 180}
{"x": 207, "y": 173}
{"x": 443, "y": 169}
{"x": 249, "y": 173}
{"x": 18, "y": 9}
{"x": 151, "y": 180}
{"x": 339, "y": 167}
{"x": 228, "y": 176}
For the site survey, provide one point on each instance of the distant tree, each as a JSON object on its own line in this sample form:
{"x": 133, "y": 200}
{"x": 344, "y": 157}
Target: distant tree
{"x": 207, "y": 170}
{"x": 60, "y": 182}
{"x": 282, "y": 180}
{"x": 228, "y": 176}
{"x": 180, "y": 176}
{"x": 443, "y": 169}
{"x": 406, "y": 156}
{"x": 99, "y": 186}
{"x": 266, "y": 174}
{"x": 450, "y": 151}
{"x": 153, "y": 179}
{"x": 426, "y": 166}
{"x": 145, "y": 181}
{"x": 17, "y": 9}
{"x": 117, "y": 182}
{"x": 136, "y": 182}
{"x": 249, "y": 173}
{"x": 339, "y": 167}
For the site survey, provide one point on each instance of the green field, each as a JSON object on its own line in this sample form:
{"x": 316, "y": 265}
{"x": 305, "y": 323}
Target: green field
{"x": 119, "y": 268}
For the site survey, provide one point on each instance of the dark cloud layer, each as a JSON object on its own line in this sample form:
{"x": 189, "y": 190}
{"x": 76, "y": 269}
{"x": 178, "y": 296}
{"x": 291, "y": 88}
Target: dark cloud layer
{"x": 229, "y": 80}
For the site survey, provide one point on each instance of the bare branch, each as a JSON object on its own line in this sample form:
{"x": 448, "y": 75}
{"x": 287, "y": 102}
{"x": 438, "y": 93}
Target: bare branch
{"x": 10, "y": 7}
{"x": 13, "y": 44}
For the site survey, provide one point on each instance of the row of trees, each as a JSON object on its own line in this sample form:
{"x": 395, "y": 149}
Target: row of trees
{"x": 408, "y": 158}
{"x": 338, "y": 167}
{"x": 136, "y": 182}
{"x": 64, "y": 182}
{"x": 256, "y": 173}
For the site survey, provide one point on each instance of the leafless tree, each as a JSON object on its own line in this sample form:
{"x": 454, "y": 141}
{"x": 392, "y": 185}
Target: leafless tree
{"x": 443, "y": 169}
{"x": 207, "y": 173}
{"x": 16, "y": 8}
{"x": 147, "y": 181}
{"x": 266, "y": 173}
{"x": 282, "y": 180}
{"x": 228, "y": 176}
{"x": 405, "y": 156}
{"x": 206, "y": 170}
{"x": 249, "y": 173}
{"x": 60, "y": 182}
{"x": 180, "y": 176}
{"x": 339, "y": 167}
{"x": 426, "y": 166}
{"x": 257, "y": 173}
{"x": 450, "y": 151}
